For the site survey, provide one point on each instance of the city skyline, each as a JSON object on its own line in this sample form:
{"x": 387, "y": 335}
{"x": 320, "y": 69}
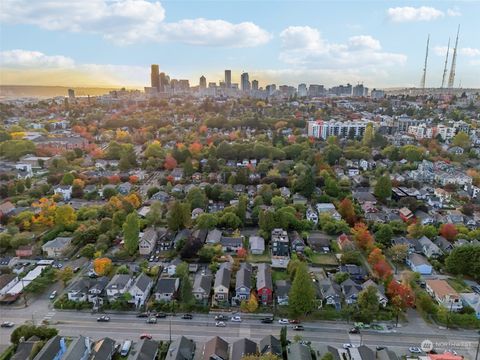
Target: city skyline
{"x": 380, "y": 44}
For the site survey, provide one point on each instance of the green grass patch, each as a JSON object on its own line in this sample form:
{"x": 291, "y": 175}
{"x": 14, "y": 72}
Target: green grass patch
{"x": 459, "y": 285}
{"x": 323, "y": 259}
{"x": 279, "y": 275}
{"x": 264, "y": 258}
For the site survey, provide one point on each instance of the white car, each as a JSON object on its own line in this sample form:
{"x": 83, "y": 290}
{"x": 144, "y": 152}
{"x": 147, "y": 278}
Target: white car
{"x": 53, "y": 295}
{"x": 347, "y": 346}
{"x": 236, "y": 319}
{"x": 220, "y": 324}
{"x": 283, "y": 321}
{"x": 414, "y": 350}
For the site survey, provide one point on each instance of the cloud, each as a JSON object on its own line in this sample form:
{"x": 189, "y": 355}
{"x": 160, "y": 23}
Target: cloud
{"x": 466, "y": 51}
{"x": 409, "y": 14}
{"x": 33, "y": 59}
{"x": 453, "y": 12}
{"x": 128, "y": 21}
{"x": 303, "y": 46}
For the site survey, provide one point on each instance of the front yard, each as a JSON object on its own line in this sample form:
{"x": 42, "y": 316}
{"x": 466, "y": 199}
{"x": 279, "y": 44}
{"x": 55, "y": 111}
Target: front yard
{"x": 323, "y": 259}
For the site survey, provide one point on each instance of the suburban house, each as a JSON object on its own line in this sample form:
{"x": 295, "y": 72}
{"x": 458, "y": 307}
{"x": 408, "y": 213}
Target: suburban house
{"x": 214, "y": 236}
{"x": 472, "y": 300}
{"x": 145, "y": 349}
{"x": 172, "y": 267}
{"x": 445, "y": 245}
{"x": 350, "y": 290}
{"x": 119, "y": 285}
{"x": 231, "y": 244}
{"x": 181, "y": 348}
{"x": 270, "y": 345}
{"x": 79, "y": 349}
{"x": 345, "y": 243}
{"x": 419, "y": 263}
{"x": 298, "y": 351}
{"x": 311, "y": 215}
{"x": 296, "y": 242}
{"x": 215, "y": 349}
{"x": 328, "y": 208}
{"x": 331, "y": 293}
{"x": 103, "y": 349}
{"x": 243, "y": 347}
{"x": 65, "y": 191}
{"x": 243, "y": 283}
{"x": 147, "y": 242}
{"x": 78, "y": 291}
{"x": 166, "y": 289}
{"x": 221, "y": 285}
{"x": 282, "y": 288}
{"x": 280, "y": 248}
{"x": 444, "y": 294}
{"x": 257, "y": 245}
{"x": 54, "y": 349}
{"x": 56, "y": 247}
{"x": 7, "y": 281}
{"x": 356, "y": 272}
{"x": 382, "y": 298}
{"x": 140, "y": 290}
{"x": 405, "y": 214}
{"x": 202, "y": 286}
{"x": 24, "y": 251}
{"x": 264, "y": 283}
{"x": 429, "y": 249}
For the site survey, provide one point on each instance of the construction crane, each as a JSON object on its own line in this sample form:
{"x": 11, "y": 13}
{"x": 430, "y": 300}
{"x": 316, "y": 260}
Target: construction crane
{"x": 424, "y": 76}
{"x": 444, "y": 77}
{"x": 451, "y": 78}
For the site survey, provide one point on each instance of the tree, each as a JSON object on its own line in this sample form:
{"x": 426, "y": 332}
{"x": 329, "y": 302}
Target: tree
{"x": 267, "y": 356}
{"x": 415, "y": 230}
{"x": 305, "y": 183}
{"x": 302, "y": 295}
{"x": 65, "y": 275}
{"x": 130, "y": 233}
{"x": 449, "y": 231}
{"x": 383, "y": 188}
{"x": 346, "y": 209}
{"x": 384, "y": 234}
{"x": 27, "y": 331}
{"x": 102, "y": 266}
{"x": 154, "y": 150}
{"x": 398, "y": 253}
{"x": 266, "y": 221}
{"x": 197, "y": 198}
{"x": 206, "y": 221}
{"x": 186, "y": 288}
{"x": 283, "y": 337}
{"x": 464, "y": 260}
{"x": 382, "y": 270}
{"x": 368, "y": 135}
{"x": 15, "y": 149}
{"x": 341, "y": 277}
{"x": 88, "y": 251}
{"x": 332, "y": 154}
{"x": 375, "y": 256}
{"x": 188, "y": 168}
{"x": 250, "y": 305}
{"x": 461, "y": 139}
{"x": 67, "y": 179}
{"x": 404, "y": 292}
{"x": 230, "y": 220}
{"x": 362, "y": 236}
{"x": 154, "y": 216}
{"x": 170, "y": 162}
{"x": 178, "y": 216}
{"x": 65, "y": 216}
{"x": 368, "y": 303}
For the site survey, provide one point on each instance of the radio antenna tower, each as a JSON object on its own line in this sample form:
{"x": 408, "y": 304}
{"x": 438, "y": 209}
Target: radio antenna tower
{"x": 444, "y": 77}
{"x": 451, "y": 78}
{"x": 422, "y": 82}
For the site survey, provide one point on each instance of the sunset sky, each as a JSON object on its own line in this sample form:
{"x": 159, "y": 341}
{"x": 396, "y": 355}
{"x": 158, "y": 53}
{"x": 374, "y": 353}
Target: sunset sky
{"x": 107, "y": 42}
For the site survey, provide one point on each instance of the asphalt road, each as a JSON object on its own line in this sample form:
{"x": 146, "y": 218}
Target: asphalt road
{"x": 202, "y": 327}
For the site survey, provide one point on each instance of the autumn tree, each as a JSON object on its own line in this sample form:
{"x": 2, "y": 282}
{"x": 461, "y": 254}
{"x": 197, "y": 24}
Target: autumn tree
{"x": 398, "y": 253}
{"x": 375, "y": 256}
{"x": 362, "y": 236}
{"x": 130, "y": 233}
{"x": 170, "y": 162}
{"x": 102, "y": 266}
{"x": 65, "y": 275}
{"x": 65, "y": 216}
{"x": 449, "y": 231}
{"x": 382, "y": 270}
{"x": 346, "y": 209}
{"x": 250, "y": 305}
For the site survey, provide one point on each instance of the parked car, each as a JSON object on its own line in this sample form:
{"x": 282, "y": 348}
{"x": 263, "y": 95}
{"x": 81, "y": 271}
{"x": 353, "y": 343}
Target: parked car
{"x": 267, "y": 320}
{"x": 160, "y": 315}
{"x": 187, "y": 316}
{"x": 152, "y": 320}
{"x": 283, "y": 321}
{"x": 298, "y": 328}
{"x": 378, "y": 347}
{"x": 414, "y": 350}
{"x": 53, "y": 295}
{"x": 7, "y": 324}
{"x": 221, "y": 317}
{"x": 236, "y": 319}
{"x": 146, "y": 336}
{"x": 220, "y": 324}
{"x": 354, "y": 330}
{"x": 294, "y": 321}
{"x": 347, "y": 346}
{"x": 142, "y": 315}
{"x": 103, "y": 318}
{"x": 77, "y": 269}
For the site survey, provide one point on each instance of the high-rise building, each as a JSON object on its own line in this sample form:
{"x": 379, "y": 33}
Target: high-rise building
{"x": 71, "y": 94}
{"x": 154, "y": 77}
{"x": 377, "y": 94}
{"x": 316, "y": 90}
{"x": 203, "y": 82}
{"x": 302, "y": 90}
{"x": 359, "y": 90}
{"x": 244, "y": 82}
{"x": 342, "y": 129}
{"x": 228, "y": 78}
{"x": 271, "y": 89}
{"x": 164, "y": 82}
{"x": 254, "y": 84}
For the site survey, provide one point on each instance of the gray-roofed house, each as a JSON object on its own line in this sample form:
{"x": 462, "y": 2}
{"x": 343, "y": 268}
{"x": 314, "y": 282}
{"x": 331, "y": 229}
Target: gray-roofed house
{"x": 257, "y": 245}
{"x": 264, "y": 283}
{"x": 214, "y": 236}
{"x": 382, "y": 298}
{"x": 166, "y": 289}
{"x": 145, "y": 349}
{"x": 118, "y": 286}
{"x": 243, "y": 347}
{"x": 350, "y": 290}
{"x": 429, "y": 249}
{"x": 79, "y": 349}
{"x": 419, "y": 263}
{"x": 270, "y": 345}
{"x": 222, "y": 283}
{"x": 54, "y": 349}
{"x": 202, "y": 286}
{"x": 298, "y": 351}
{"x": 231, "y": 244}
{"x": 147, "y": 241}
{"x": 282, "y": 288}
{"x": 331, "y": 293}
{"x": 24, "y": 348}
{"x": 445, "y": 245}
{"x": 181, "y": 348}
{"x": 56, "y": 247}
{"x": 243, "y": 282}
{"x": 103, "y": 349}
{"x": 215, "y": 349}
{"x": 140, "y": 289}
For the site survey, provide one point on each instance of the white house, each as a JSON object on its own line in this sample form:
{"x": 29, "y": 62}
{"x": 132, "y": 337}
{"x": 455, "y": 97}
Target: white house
{"x": 56, "y": 247}
{"x": 119, "y": 285}
{"x": 444, "y": 294}
{"x": 140, "y": 290}
{"x": 65, "y": 191}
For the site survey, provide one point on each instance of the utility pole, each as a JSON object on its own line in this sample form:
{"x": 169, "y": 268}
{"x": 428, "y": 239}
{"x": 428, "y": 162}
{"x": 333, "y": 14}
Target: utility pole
{"x": 451, "y": 78}
{"x": 444, "y": 77}
{"x": 424, "y": 76}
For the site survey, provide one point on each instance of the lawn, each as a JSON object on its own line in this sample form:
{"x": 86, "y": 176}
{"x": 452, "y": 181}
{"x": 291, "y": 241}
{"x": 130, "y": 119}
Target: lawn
{"x": 265, "y": 257}
{"x": 279, "y": 275}
{"x": 459, "y": 285}
{"x": 323, "y": 259}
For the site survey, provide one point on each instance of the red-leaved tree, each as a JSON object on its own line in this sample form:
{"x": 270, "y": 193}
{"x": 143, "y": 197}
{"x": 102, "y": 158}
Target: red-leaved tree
{"x": 449, "y": 231}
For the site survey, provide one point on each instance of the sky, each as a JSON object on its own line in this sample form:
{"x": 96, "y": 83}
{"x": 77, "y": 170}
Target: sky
{"x": 113, "y": 42}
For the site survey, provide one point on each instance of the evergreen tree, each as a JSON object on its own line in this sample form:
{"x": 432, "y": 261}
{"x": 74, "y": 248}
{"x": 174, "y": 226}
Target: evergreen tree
{"x": 302, "y": 295}
{"x": 130, "y": 233}
{"x": 383, "y": 188}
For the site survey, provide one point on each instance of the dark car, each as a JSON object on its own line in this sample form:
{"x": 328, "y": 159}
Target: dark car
{"x": 354, "y": 331}
{"x": 268, "y": 320}
{"x": 294, "y": 321}
{"x": 7, "y": 324}
{"x": 160, "y": 315}
{"x": 146, "y": 336}
{"x": 187, "y": 316}
{"x": 103, "y": 318}
{"x": 142, "y": 315}
{"x": 298, "y": 328}
{"x": 221, "y": 318}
